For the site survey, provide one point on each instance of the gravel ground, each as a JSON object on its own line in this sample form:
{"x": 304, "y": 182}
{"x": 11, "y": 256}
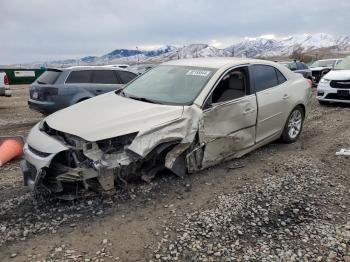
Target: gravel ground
{"x": 285, "y": 217}
{"x": 279, "y": 203}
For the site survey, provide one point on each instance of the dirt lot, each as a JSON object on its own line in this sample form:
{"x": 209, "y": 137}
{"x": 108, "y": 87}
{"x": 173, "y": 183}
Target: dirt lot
{"x": 279, "y": 203}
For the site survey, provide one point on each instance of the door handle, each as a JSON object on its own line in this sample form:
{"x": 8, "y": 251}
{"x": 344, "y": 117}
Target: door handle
{"x": 248, "y": 111}
{"x": 285, "y": 96}
{"x": 98, "y": 90}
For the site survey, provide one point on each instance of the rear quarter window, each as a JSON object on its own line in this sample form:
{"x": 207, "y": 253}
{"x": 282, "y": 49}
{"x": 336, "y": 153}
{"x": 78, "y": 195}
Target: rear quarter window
{"x": 79, "y": 77}
{"x": 280, "y": 77}
{"x": 49, "y": 77}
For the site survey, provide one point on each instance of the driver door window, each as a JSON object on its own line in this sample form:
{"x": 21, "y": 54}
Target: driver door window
{"x": 229, "y": 121}
{"x": 232, "y": 86}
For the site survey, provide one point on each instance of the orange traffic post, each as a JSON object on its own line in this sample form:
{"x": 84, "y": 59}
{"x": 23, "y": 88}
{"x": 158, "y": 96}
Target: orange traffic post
{"x": 10, "y": 148}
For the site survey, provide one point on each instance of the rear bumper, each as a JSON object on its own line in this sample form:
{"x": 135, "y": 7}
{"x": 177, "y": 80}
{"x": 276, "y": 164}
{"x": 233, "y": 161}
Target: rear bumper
{"x": 5, "y": 91}
{"x": 43, "y": 106}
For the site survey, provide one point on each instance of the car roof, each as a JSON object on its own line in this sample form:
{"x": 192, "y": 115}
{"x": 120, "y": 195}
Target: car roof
{"x": 81, "y": 68}
{"x": 328, "y": 59}
{"x": 215, "y": 62}
{"x": 289, "y": 61}
{"x": 93, "y": 67}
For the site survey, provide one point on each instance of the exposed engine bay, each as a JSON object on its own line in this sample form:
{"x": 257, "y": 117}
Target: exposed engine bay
{"x": 99, "y": 165}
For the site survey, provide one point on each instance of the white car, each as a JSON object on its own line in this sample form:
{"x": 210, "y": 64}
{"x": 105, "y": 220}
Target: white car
{"x": 5, "y": 89}
{"x": 184, "y": 115}
{"x": 335, "y": 85}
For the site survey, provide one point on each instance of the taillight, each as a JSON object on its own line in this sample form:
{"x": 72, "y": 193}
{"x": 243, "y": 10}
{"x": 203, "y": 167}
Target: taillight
{"x": 310, "y": 82}
{"x": 6, "y": 80}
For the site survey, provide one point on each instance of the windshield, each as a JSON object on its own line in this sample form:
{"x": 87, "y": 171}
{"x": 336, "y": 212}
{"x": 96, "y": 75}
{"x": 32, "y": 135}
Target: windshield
{"x": 169, "y": 84}
{"x": 323, "y": 63}
{"x": 343, "y": 65}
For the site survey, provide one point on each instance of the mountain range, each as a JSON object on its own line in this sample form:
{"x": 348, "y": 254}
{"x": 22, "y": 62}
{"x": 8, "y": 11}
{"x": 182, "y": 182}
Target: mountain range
{"x": 249, "y": 47}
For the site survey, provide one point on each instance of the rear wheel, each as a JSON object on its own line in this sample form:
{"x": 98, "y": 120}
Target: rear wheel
{"x": 294, "y": 125}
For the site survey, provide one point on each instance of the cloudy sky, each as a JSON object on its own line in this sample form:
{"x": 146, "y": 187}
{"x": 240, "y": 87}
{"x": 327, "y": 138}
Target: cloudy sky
{"x": 38, "y": 30}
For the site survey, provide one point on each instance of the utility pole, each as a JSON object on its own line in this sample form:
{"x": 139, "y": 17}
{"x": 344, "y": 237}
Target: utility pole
{"x": 233, "y": 51}
{"x": 138, "y": 59}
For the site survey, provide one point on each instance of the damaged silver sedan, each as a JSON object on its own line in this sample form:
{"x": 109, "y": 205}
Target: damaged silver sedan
{"x": 183, "y": 115}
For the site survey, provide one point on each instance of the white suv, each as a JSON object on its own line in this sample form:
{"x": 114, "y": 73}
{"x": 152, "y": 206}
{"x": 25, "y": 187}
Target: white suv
{"x": 4, "y": 85}
{"x": 335, "y": 86}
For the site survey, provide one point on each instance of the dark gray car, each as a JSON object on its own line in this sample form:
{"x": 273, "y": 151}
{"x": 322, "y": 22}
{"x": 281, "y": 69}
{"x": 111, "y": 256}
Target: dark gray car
{"x": 298, "y": 67}
{"x": 59, "y": 88}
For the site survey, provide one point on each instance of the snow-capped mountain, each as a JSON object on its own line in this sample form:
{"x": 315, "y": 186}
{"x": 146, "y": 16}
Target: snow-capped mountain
{"x": 249, "y": 47}
{"x": 194, "y": 50}
{"x": 262, "y": 47}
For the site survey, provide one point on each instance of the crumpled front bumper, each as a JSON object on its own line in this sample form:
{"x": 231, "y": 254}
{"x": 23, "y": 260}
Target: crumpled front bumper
{"x": 38, "y": 152}
{"x": 58, "y": 166}
{"x": 42, "y": 169}
{"x": 32, "y": 166}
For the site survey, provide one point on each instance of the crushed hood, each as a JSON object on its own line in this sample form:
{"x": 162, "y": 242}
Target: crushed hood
{"x": 338, "y": 75}
{"x": 111, "y": 115}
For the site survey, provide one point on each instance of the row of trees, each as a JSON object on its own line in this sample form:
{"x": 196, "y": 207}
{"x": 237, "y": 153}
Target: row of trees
{"x": 298, "y": 54}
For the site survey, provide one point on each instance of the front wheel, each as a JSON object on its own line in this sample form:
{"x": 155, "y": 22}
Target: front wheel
{"x": 294, "y": 125}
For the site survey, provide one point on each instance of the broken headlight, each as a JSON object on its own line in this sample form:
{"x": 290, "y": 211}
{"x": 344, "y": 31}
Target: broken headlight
{"x": 116, "y": 144}
{"x": 65, "y": 138}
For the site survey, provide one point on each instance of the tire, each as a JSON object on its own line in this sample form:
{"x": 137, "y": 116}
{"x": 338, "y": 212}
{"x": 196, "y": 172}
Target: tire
{"x": 323, "y": 103}
{"x": 294, "y": 125}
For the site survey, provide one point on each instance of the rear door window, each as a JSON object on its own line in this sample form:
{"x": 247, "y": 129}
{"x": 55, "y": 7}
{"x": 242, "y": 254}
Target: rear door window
{"x": 300, "y": 66}
{"x": 264, "y": 77}
{"x": 126, "y": 77}
{"x": 104, "y": 77}
{"x": 49, "y": 77}
{"x": 79, "y": 77}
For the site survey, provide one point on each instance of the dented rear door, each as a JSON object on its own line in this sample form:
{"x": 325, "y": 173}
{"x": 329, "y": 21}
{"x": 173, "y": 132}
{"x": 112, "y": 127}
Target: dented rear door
{"x": 227, "y": 128}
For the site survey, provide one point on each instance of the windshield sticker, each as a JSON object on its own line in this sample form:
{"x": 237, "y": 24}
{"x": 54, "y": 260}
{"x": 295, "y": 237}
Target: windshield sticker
{"x": 198, "y": 73}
